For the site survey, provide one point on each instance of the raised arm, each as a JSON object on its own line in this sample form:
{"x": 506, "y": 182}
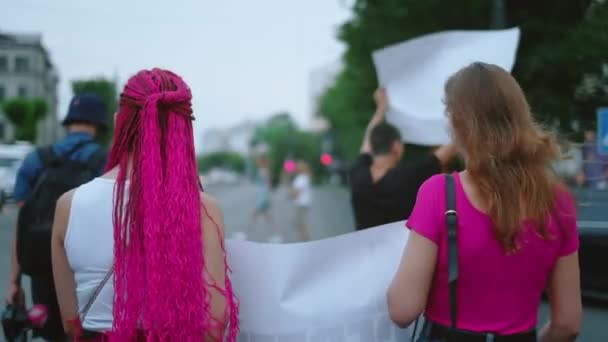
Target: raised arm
{"x": 381, "y": 100}
{"x": 446, "y": 154}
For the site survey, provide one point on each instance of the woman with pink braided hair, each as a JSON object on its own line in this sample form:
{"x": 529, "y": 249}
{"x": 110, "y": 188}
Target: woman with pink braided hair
{"x": 138, "y": 254}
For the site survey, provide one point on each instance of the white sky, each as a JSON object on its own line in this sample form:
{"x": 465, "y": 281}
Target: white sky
{"x": 243, "y": 59}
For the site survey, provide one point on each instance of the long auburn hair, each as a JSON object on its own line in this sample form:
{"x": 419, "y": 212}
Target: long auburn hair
{"x": 159, "y": 260}
{"x": 507, "y": 153}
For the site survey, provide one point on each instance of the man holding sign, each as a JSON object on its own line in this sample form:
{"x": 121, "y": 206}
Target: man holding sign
{"x": 384, "y": 189}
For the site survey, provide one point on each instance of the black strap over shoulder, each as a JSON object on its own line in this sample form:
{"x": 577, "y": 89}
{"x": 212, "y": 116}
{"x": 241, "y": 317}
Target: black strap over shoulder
{"x": 47, "y": 155}
{"x": 97, "y": 160}
{"x": 451, "y": 217}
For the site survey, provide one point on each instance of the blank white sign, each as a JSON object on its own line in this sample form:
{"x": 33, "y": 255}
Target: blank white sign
{"x": 414, "y": 73}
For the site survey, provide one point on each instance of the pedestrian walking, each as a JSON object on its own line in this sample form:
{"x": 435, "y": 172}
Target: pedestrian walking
{"x": 486, "y": 242}
{"x": 263, "y": 208}
{"x": 383, "y": 189}
{"x": 301, "y": 194}
{"x": 138, "y": 254}
{"x": 45, "y": 175}
{"x": 594, "y": 171}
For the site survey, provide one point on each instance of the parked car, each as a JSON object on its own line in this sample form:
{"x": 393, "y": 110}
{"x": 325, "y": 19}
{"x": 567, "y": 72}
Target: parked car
{"x": 11, "y": 157}
{"x": 592, "y": 217}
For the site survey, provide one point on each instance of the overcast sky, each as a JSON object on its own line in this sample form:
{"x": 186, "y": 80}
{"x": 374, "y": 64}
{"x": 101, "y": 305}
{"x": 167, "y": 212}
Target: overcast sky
{"x": 243, "y": 59}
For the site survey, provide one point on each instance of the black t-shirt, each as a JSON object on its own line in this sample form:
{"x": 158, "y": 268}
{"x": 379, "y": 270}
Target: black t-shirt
{"x": 393, "y": 196}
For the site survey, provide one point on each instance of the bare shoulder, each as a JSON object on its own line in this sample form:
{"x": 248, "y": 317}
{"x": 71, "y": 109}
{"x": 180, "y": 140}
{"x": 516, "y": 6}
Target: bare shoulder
{"x": 211, "y": 210}
{"x": 62, "y": 213}
{"x": 64, "y": 203}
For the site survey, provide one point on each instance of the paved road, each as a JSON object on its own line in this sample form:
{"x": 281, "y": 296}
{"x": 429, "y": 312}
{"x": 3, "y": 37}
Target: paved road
{"x": 330, "y": 215}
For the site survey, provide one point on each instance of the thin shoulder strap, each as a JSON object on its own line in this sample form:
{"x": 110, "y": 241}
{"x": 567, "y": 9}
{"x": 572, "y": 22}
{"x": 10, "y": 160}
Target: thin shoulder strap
{"x": 46, "y": 155}
{"x": 451, "y": 217}
{"x": 87, "y": 307}
{"x": 47, "y": 158}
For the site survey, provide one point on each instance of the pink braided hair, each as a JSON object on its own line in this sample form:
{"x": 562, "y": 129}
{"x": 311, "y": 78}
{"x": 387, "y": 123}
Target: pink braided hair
{"x": 158, "y": 282}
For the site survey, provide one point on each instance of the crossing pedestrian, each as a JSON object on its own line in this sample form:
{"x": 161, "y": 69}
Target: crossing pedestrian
{"x": 301, "y": 193}
{"x": 263, "y": 207}
{"x": 486, "y": 242}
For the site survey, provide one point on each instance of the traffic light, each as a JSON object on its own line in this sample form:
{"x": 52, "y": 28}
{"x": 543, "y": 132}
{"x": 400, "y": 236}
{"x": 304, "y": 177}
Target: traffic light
{"x": 326, "y": 159}
{"x": 289, "y": 166}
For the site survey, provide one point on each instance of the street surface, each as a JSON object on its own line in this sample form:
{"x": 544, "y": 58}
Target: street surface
{"x": 330, "y": 215}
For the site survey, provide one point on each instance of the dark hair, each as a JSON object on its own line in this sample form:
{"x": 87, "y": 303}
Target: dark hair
{"x": 382, "y": 138}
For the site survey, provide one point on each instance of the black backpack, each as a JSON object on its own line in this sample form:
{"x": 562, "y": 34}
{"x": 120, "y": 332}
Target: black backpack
{"x": 35, "y": 220}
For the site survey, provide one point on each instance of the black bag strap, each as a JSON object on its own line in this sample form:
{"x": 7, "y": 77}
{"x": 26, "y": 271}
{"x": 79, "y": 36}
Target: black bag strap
{"x": 87, "y": 307}
{"x": 451, "y": 217}
{"x": 46, "y": 155}
{"x": 97, "y": 160}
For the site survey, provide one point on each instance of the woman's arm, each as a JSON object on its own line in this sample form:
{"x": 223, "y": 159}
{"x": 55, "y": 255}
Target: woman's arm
{"x": 212, "y": 222}
{"x": 410, "y": 287}
{"x": 62, "y": 272}
{"x": 565, "y": 300}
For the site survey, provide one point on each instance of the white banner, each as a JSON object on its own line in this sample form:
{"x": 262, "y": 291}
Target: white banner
{"x": 414, "y": 73}
{"x": 321, "y": 291}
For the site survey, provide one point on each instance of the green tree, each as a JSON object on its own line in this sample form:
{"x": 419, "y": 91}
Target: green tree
{"x": 225, "y": 160}
{"x": 561, "y": 44}
{"x": 25, "y": 114}
{"x": 285, "y": 140}
{"x": 106, "y": 90}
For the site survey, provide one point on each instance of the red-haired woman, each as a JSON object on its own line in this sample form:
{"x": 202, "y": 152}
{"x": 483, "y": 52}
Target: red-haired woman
{"x": 512, "y": 226}
{"x": 138, "y": 254}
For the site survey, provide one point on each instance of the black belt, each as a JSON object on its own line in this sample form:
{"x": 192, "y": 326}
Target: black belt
{"x": 445, "y": 333}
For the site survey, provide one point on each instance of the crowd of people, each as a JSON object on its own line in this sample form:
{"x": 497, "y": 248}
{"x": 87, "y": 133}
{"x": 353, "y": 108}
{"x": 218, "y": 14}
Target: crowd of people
{"x": 135, "y": 247}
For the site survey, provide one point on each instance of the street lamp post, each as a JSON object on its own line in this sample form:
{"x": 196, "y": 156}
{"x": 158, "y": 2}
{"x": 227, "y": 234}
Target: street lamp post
{"x": 498, "y": 14}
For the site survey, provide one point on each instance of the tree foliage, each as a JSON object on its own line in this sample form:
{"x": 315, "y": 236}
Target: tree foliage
{"x": 106, "y": 90}
{"x": 224, "y": 160}
{"x": 286, "y": 141}
{"x": 24, "y": 114}
{"x": 561, "y": 42}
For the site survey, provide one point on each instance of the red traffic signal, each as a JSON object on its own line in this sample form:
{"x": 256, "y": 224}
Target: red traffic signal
{"x": 289, "y": 166}
{"x": 326, "y": 159}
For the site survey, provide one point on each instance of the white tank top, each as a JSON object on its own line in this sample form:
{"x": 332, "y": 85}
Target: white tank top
{"x": 89, "y": 245}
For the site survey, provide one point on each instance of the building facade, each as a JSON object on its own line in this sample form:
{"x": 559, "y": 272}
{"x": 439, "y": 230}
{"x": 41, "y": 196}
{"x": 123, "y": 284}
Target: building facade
{"x": 26, "y": 70}
{"x": 319, "y": 80}
{"x": 233, "y": 139}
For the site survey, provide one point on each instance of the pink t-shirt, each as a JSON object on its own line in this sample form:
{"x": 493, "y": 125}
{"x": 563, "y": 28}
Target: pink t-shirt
{"x": 497, "y": 292}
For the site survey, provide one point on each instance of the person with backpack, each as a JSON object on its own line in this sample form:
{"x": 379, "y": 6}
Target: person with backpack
{"x": 485, "y": 243}
{"x": 43, "y": 177}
